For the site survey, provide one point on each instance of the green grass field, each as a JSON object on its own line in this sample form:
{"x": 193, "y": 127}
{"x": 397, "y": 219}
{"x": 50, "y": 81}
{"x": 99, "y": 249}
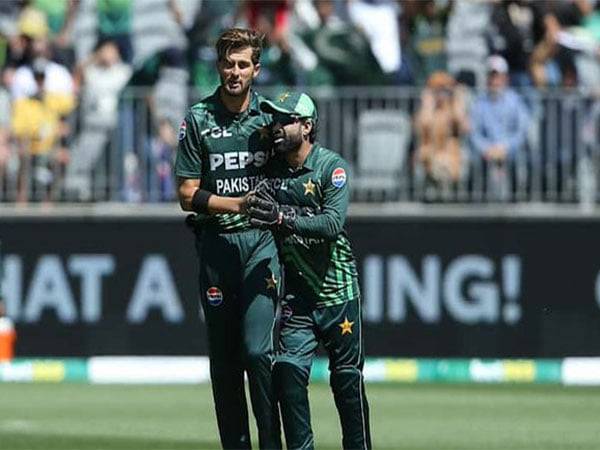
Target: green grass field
{"x": 415, "y": 417}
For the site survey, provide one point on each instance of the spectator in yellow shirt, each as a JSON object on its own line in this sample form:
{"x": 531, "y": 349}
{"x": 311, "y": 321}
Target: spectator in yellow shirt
{"x": 36, "y": 128}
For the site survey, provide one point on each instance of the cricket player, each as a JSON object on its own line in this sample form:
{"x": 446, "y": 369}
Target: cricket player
{"x": 224, "y": 143}
{"x": 322, "y": 298}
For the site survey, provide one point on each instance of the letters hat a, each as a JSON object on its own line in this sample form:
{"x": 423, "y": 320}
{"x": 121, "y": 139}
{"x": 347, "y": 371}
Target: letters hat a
{"x": 293, "y": 103}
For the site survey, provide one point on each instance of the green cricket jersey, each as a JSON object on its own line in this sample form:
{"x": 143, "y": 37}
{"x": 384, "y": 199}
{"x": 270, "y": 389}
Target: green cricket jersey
{"x": 226, "y": 151}
{"x": 317, "y": 256}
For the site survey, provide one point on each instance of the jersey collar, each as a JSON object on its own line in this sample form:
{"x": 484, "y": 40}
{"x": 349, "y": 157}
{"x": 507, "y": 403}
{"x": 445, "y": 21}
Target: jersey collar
{"x": 216, "y": 105}
{"x": 311, "y": 159}
{"x": 309, "y": 162}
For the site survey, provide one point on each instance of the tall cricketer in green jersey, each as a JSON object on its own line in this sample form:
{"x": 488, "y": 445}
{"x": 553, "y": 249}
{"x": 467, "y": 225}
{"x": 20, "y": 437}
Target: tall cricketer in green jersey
{"x": 226, "y": 151}
{"x": 304, "y": 203}
{"x": 223, "y": 147}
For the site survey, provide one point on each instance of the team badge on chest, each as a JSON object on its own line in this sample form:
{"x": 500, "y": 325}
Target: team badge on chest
{"x": 309, "y": 187}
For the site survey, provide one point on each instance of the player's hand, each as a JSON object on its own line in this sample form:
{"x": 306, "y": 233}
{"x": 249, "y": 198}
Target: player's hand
{"x": 261, "y": 206}
{"x": 268, "y": 214}
{"x": 262, "y": 209}
{"x": 265, "y": 191}
{"x": 262, "y": 194}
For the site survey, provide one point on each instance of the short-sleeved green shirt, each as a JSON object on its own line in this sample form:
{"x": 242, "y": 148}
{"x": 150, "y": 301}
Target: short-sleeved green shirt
{"x": 318, "y": 257}
{"x": 227, "y": 152}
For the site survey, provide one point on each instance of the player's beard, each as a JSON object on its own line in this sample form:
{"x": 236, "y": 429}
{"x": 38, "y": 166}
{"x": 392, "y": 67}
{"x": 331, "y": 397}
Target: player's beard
{"x": 284, "y": 142}
{"x": 236, "y": 88}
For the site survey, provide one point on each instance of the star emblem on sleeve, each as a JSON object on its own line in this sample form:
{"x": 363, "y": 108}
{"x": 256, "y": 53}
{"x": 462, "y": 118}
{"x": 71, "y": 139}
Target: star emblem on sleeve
{"x": 346, "y": 326}
{"x": 309, "y": 187}
{"x": 271, "y": 281}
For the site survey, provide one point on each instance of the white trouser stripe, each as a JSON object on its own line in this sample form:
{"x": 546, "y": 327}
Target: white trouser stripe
{"x": 360, "y": 375}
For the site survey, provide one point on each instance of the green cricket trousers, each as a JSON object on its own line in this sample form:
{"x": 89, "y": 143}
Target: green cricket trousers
{"x": 339, "y": 328}
{"x": 239, "y": 282}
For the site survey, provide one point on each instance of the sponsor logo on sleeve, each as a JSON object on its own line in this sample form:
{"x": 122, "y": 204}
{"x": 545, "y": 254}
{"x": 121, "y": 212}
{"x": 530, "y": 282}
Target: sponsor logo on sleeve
{"x": 182, "y": 130}
{"x": 214, "y": 296}
{"x": 338, "y": 177}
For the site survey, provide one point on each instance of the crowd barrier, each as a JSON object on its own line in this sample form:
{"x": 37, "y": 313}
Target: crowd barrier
{"x": 127, "y": 160}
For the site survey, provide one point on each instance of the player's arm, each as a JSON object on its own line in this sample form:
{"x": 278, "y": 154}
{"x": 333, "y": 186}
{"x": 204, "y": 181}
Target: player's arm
{"x": 327, "y": 223}
{"x": 336, "y": 196}
{"x": 188, "y": 169}
{"x": 193, "y": 198}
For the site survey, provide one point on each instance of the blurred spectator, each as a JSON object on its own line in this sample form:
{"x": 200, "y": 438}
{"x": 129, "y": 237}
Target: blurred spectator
{"x": 5, "y": 114}
{"x": 60, "y": 16}
{"x": 466, "y": 44}
{"x": 553, "y": 59}
{"x": 499, "y": 121}
{"x": 115, "y": 23}
{"x": 211, "y": 18}
{"x": 30, "y": 26}
{"x": 159, "y": 25}
{"x": 425, "y": 22}
{"x": 277, "y": 11}
{"x": 102, "y": 78}
{"x": 342, "y": 50}
{"x": 58, "y": 82}
{"x": 43, "y": 96}
{"x": 8, "y": 335}
{"x": 499, "y": 116}
{"x": 37, "y": 128}
{"x": 275, "y": 62}
{"x": 9, "y": 13}
{"x": 378, "y": 19}
{"x": 440, "y": 124}
{"x": 512, "y": 35}
{"x": 162, "y": 182}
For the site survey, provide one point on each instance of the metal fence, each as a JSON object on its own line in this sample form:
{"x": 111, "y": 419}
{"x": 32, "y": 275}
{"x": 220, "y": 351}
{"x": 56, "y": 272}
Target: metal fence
{"x": 129, "y": 157}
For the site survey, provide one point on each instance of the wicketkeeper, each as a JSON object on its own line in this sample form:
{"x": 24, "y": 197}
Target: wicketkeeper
{"x": 304, "y": 203}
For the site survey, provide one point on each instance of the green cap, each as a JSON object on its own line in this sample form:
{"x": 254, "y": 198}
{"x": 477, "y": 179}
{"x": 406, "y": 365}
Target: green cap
{"x": 293, "y": 103}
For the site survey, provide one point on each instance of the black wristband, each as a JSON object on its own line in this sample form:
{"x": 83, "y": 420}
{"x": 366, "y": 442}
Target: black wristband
{"x": 200, "y": 201}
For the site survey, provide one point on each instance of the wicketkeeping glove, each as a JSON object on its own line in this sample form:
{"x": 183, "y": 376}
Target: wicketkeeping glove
{"x": 270, "y": 215}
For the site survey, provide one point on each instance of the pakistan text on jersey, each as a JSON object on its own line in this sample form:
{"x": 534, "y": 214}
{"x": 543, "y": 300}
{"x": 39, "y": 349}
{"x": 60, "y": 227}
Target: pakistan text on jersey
{"x": 237, "y": 160}
{"x": 239, "y": 185}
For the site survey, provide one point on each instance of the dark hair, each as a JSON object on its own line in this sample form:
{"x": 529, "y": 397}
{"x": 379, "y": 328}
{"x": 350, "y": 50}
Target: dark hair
{"x": 239, "y": 38}
{"x": 102, "y": 41}
{"x": 312, "y": 136}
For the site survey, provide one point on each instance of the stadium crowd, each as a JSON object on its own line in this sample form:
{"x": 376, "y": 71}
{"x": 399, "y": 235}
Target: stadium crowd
{"x": 68, "y": 65}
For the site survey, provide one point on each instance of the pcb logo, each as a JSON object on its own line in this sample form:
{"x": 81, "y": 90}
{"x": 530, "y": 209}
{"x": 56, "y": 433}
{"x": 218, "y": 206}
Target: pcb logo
{"x": 214, "y": 296}
{"x": 182, "y": 130}
{"x": 338, "y": 177}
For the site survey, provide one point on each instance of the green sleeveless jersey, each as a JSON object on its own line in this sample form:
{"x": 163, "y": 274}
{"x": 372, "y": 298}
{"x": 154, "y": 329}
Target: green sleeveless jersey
{"x": 226, "y": 151}
{"x": 317, "y": 257}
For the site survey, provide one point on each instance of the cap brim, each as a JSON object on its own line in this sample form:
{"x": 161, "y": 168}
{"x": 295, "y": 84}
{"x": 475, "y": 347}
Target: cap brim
{"x": 269, "y": 107}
